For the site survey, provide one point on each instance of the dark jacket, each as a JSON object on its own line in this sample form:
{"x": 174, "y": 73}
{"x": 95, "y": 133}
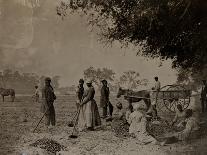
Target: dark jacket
{"x": 204, "y": 91}
{"x": 80, "y": 92}
{"x": 48, "y": 97}
{"x": 104, "y": 96}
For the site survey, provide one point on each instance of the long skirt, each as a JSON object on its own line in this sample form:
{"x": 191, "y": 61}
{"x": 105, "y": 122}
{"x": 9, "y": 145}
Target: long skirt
{"x": 89, "y": 115}
{"x": 138, "y": 129}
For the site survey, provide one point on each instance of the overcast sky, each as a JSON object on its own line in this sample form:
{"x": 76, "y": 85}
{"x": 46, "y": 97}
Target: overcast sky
{"x": 37, "y": 40}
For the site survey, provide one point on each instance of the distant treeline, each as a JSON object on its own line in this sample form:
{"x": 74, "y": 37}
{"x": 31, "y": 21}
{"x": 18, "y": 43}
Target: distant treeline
{"x": 23, "y": 83}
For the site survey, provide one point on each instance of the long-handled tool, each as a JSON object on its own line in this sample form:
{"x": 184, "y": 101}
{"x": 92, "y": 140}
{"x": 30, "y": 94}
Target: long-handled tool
{"x": 39, "y": 121}
{"x": 42, "y": 118}
{"x": 74, "y": 128}
{"x": 71, "y": 123}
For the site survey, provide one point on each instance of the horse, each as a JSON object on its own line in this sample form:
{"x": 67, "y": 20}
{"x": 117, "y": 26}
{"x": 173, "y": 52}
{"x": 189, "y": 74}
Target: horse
{"x": 135, "y": 96}
{"x": 7, "y": 92}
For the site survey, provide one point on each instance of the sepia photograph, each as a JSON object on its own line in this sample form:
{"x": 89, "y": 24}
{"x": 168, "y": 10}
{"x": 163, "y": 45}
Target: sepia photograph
{"x": 103, "y": 77}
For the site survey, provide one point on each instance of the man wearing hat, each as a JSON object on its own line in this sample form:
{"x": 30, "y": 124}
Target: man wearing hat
{"x": 203, "y": 96}
{"x": 48, "y": 97}
{"x": 79, "y": 93}
{"x": 104, "y": 100}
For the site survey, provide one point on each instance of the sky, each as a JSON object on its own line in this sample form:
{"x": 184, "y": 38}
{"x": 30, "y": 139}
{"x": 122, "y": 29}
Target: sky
{"x": 37, "y": 40}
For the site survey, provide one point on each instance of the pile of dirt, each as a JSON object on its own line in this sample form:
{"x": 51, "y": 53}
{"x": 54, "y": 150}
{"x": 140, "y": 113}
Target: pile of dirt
{"x": 160, "y": 129}
{"x": 49, "y": 145}
{"x": 120, "y": 128}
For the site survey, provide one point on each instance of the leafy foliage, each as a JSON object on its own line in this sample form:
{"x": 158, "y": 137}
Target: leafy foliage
{"x": 170, "y": 29}
{"x": 132, "y": 80}
{"x": 99, "y": 74}
{"x": 23, "y": 82}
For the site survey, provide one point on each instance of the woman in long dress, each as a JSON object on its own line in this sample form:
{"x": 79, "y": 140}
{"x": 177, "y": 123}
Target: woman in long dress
{"x": 89, "y": 115}
{"x": 138, "y": 124}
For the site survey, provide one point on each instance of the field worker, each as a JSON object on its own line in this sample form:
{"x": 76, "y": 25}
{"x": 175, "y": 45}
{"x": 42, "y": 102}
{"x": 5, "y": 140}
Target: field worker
{"x": 179, "y": 116}
{"x": 203, "y": 97}
{"x": 138, "y": 125}
{"x": 121, "y": 113}
{"x": 119, "y": 124}
{"x": 157, "y": 85}
{"x": 155, "y": 92}
{"x": 79, "y": 93}
{"x": 190, "y": 130}
{"x": 89, "y": 115}
{"x": 104, "y": 100}
{"x": 37, "y": 94}
{"x": 48, "y": 97}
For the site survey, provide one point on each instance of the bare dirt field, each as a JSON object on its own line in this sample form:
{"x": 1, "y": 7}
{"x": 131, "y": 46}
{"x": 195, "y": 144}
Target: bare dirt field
{"x": 18, "y": 119}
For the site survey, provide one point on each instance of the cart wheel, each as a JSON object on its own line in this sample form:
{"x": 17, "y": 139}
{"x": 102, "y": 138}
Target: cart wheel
{"x": 170, "y": 104}
{"x": 174, "y": 95}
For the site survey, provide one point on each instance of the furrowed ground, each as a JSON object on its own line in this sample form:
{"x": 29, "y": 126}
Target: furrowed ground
{"x": 18, "y": 119}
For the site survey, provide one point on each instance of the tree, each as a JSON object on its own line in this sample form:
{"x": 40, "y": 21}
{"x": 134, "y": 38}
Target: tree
{"x": 192, "y": 80}
{"x": 169, "y": 29}
{"x": 132, "y": 80}
{"x": 99, "y": 74}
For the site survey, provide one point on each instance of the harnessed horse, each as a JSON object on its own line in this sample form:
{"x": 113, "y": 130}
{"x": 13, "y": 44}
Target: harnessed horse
{"x": 135, "y": 96}
{"x": 7, "y": 92}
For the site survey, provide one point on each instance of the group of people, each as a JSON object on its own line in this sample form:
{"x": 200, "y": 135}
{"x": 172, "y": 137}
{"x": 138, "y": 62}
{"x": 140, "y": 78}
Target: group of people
{"x": 89, "y": 116}
{"x": 138, "y": 120}
{"x": 88, "y": 113}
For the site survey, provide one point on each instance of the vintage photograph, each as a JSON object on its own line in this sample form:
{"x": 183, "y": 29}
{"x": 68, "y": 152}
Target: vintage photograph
{"x": 103, "y": 77}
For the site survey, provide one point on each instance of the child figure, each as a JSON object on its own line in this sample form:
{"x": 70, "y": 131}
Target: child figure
{"x": 37, "y": 94}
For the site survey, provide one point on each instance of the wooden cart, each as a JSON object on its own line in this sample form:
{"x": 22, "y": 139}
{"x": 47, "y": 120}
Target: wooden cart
{"x": 172, "y": 95}
{"x": 169, "y": 97}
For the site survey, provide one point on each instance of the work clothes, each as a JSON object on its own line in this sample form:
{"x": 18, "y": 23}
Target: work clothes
{"x": 191, "y": 127}
{"x": 79, "y": 95}
{"x": 204, "y": 98}
{"x": 48, "y": 98}
{"x": 104, "y": 101}
{"x": 138, "y": 124}
{"x": 89, "y": 115}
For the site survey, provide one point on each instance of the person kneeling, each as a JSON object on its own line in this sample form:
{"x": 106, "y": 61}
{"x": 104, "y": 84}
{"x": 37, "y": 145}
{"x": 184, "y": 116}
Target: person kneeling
{"x": 191, "y": 128}
{"x": 138, "y": 124}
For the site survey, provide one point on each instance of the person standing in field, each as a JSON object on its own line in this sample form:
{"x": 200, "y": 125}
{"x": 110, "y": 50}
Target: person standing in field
{"x": 104, "y": 100}
{"x": 203, "y": 97}
{"x": 37, "y": 94}
{"x": 156, "y": 90}
{"x": 79, "y": 93}
{"x": 48, "y": 97}
{"x": 89, "y": 115}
